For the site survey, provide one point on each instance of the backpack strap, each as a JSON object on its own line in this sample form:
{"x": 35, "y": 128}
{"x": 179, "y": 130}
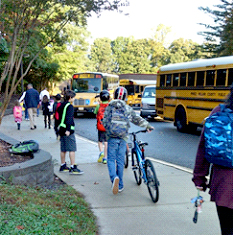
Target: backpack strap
{"x": 62, "y": 124}
{"x": 222, "y": 107}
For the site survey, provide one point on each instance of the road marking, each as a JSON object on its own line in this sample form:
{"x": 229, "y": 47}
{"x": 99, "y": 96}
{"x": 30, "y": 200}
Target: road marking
{"x": 182, "y": 168}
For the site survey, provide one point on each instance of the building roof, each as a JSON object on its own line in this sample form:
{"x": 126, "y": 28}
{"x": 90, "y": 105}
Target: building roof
{"x": 134, "y": 76}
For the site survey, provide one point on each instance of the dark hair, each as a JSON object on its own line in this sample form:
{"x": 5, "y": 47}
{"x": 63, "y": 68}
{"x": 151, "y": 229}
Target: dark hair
{"x": 229, "y": 100}
{"x": 45, "y": 99}
{"x": 58, "y": 97}
{"x": 69, "y": 94}
{"x": 17, "y": 103}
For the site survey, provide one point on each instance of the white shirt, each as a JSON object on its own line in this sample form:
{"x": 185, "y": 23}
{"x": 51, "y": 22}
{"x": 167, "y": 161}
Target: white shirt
{"x": 44, "y": 92}
{"x": 22, "y": 97}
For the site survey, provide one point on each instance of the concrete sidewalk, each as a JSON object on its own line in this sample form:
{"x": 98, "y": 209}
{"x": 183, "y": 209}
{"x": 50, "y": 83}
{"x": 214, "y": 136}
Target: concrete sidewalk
{"x": 132, "y": 211}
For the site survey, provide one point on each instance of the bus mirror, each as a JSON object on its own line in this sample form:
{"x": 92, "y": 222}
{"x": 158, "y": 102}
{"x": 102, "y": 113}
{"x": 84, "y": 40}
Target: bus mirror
{"x": 96, "y": 88}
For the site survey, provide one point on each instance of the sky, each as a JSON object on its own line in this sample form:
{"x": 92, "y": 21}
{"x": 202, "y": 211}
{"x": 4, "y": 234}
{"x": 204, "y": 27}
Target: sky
{"x": 144, "y": 16}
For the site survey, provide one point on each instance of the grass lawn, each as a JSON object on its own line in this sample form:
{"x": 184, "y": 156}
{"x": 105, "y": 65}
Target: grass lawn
{"x": 28, "y": 210}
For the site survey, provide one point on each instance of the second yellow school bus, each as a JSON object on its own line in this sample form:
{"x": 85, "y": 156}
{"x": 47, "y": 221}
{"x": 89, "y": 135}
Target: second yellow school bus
{"x": 187, "y": 92}
{"x": 135, "y": 89}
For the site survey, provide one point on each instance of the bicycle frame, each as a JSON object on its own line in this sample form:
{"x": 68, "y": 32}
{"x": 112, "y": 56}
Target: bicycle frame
{"x": 140, "y": 155}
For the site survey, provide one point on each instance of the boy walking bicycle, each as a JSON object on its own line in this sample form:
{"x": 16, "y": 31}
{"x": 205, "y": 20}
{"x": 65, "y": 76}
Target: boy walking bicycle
{"x": 116, "y": 121}
{"x": 66, "y": 131}
{"x": 102, "y": 137}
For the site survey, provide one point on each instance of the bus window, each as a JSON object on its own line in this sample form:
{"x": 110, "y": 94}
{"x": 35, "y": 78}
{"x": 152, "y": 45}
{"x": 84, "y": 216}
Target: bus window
{"x": 191, "y": 78}
{"x": 200, "y": 78}
{"x": 137, "y": 90}
{"x": 210, "y": 74}
{"x": 169, "y": 79}
{"x": 175, "y": 79}
{"x": 221, "y": 77}
{"x": 230, "y": 77}
{"x": 162, "y": 80}
{"x": 183, "y": 79}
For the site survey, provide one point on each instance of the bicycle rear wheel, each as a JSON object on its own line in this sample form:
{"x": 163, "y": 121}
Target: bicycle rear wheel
{"x": 136, "y": 169}
{"x": 126, "y": 158}
{"x": 152, "y": 181}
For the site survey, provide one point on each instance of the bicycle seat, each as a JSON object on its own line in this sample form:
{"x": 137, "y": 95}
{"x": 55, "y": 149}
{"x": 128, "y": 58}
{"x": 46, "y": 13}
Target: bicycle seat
{"x": 142, "y": 144}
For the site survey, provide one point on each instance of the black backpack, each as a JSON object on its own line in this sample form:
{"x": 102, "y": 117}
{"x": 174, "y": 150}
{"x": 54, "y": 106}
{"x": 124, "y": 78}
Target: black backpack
{"x": 25, "y": 147}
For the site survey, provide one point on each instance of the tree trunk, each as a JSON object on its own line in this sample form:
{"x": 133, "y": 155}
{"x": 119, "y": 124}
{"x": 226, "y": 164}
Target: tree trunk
{"x": 4, "y": 107}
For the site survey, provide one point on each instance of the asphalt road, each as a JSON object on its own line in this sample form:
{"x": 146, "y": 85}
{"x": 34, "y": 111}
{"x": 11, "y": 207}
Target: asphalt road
{"x": 165, "y": 142}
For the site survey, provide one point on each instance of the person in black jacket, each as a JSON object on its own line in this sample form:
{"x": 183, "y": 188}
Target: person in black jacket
{"x": 31, "y": 102}
{"x": 66, "y": 131}
{"x": 46, "y": 113}
{"x": 56, "y": 106}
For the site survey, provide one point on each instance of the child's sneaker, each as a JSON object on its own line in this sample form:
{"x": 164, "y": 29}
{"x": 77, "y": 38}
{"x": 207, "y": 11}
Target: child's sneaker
{"x": 115, "y": 185}
{"x": 120, "y": 190}
{"x": 104, "y": 161}
{"x": 75, "y": 171}
{"x": 101, "y": 156}
{"x": 64, "y": 168}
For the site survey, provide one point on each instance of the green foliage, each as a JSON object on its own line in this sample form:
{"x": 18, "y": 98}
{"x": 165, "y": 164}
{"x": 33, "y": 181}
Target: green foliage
{"x": 182, "y": 50}
{"x": 30, "y": 26}
{"x": 101, "y": 55}
{"x": 27, "y": 210}
{"x": 219, "y": 35}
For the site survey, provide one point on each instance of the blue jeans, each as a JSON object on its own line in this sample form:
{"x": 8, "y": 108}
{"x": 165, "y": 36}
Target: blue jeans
{"x": 26, "y": 113}
{"x": 116, "y": 156}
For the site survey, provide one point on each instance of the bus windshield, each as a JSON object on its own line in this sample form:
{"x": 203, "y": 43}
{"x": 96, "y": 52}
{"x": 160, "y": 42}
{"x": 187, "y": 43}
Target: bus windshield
{"x": 86, "y": 85}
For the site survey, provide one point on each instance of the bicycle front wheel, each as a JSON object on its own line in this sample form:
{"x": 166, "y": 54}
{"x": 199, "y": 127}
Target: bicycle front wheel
{"x": 136, "y": 169}
{"x": 152, "y": 181}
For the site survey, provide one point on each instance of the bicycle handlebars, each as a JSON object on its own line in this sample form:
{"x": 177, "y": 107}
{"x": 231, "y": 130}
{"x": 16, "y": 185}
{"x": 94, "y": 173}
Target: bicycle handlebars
{"x": 140, "y": 131}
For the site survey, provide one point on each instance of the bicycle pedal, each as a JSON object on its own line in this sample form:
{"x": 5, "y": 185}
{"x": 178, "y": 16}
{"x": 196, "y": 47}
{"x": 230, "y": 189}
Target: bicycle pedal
{"x": 134, "y": 168}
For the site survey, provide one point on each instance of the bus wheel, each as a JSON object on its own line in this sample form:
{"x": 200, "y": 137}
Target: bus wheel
{"x": 180, "y": 120}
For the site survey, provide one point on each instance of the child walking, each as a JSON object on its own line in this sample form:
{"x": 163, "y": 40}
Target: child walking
{"x": 66, "y": 131}
{"x": 17, "y": 111}
{"x": 116, "y": 122}
{"x": 102, "y": 137}
{"x": 46, "y": 112}
{"x": 56, "y": 106}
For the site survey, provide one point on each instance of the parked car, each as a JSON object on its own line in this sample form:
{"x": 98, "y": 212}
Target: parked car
{"x": 148, "y": 102}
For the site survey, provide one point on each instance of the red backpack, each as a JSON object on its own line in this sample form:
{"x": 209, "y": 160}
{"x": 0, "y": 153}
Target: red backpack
{"x": 56, "y": 116}
{"x": 100, "y": 117}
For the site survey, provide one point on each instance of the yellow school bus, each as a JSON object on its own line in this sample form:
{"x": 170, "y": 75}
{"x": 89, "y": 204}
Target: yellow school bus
{"x": 187, "y": 92}
{"x": 135, "y": 89}
{"x": 87, "y": 86}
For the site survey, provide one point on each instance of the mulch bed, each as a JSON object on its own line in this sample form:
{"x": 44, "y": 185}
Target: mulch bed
{"x": 7, "y": 159}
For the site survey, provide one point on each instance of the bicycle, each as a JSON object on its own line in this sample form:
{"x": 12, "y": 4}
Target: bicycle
{"x": 126, "y": 161}
{"x": 143, "y": 168}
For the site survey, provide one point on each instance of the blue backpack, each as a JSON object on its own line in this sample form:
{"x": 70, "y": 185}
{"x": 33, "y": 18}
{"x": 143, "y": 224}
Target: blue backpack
{"x": 218, "y": 134}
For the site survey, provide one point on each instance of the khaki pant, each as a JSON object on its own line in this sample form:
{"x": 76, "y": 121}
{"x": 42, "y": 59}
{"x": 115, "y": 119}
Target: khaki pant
{"x": 32, "y": 112}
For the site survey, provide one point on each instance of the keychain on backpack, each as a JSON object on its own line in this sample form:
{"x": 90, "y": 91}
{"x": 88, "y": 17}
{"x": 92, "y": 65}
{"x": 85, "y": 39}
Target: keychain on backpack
{"x": 198, "y": 205}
